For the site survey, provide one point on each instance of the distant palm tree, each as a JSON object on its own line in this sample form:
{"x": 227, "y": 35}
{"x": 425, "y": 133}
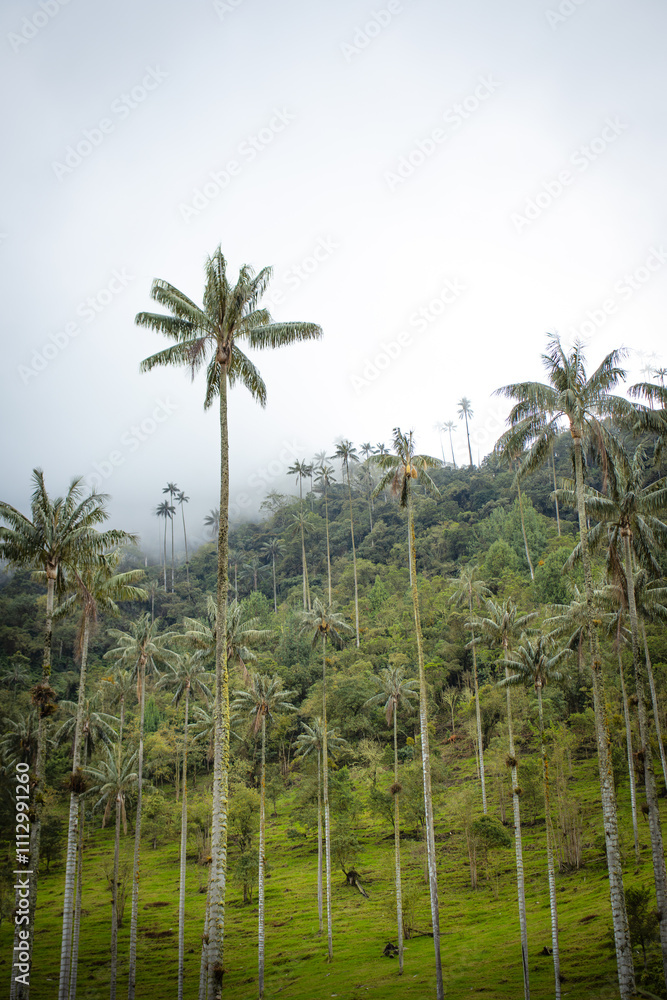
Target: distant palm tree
{"x": 532, "y": 665}
{"x": 450, "y": 426}
{"x": 172, "y": 490}
{"x": 396, "y": 693}
{"x": 272, "y": 548}
{"x": 347, "y": 453}
{"x": 324, "y": 479}
{"x": 242, "y": 632}
{"x": 313, "y": 739}
{"x": 186, "y": 677}
{"x": 324, "y": 622}
{"x": 401, "y": 470}
{"x": 264, "y": 697}
{"x": 465, "y": 412}
{"x": 167, "y": 511}
{"x": 113, "y": 779}
{"x": 301, "y": 525}
{"x": 18, "y": 673}
{"x": 182, "y": 499}
{"x": 212, "y": 520}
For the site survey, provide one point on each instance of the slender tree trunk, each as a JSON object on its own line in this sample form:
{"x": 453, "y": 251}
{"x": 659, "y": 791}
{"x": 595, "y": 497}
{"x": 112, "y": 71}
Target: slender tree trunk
{"x": 354, "y": 562}
{"x": 262, "y": 865}
{"x": 410, "y": 555}
{"x": 551, "y": 872}
{"x": 275, "y": 592}
{"x": 77, "y": 906}
{"x": 468, "y": 437}
{"x": 185, "y": 539}
{"x": 397, "y": 852}
{"x": 326, "y": 513}
{"x": 218, "y": 872}
{"x": 114, "y": 900}
{"x": 319, "y": 840}
{"x": 523, "y": 531}
{"x": 325, "y": 782}
{"x": 628, "y": 743}
{"x": 656, "y": 710}
{"x": 451, "y": 445}
{"x": 304, "y": 565}
{"x": 134, "y": 919}
{"x": 184, "y": 840}
{"x": 518, "y": 848}
{"x": 478, "y": 710}
{"x": 553, "y": 466}
{"x": 165, "y": 555}
{"x": 626, "y": 975}
{"x": 172, "y": 551}
{"x": 72, "y": 830}
{"x": 426, "y": 770}
{"x": 659, "y": 871}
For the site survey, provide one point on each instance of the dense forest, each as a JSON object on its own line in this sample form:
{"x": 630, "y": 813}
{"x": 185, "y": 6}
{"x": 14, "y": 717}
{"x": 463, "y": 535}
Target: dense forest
{"x": 419, "y": 712}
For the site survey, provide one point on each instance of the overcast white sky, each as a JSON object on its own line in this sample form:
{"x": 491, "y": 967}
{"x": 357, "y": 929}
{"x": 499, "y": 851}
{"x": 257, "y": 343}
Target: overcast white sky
{"x": 437, "y": 184}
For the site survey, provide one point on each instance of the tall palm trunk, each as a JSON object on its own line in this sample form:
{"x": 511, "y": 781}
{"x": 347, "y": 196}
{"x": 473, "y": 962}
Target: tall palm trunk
{"x": 397, "y": 852}
{"x": 262, "y": 865}
{"x": 319, "y": 839}
{"x": 275, "y": 592}
{"x": 218, "y": 868}
{"x": 72, "y": 830}
{"x": 326, "y": 514}
{"x": 451, "y": 445}
{"x": 551, "y": 872}
{"x": 134, "y": 919}
{"x": 478, "y": 711}
{"x": 426, "y": 768}
{"x": 518, "y": 847}
{"x": 656, "y": 711}
{"x": 623, "y": 945}
{"x": 523, "y": 532}
{"x": 77, "y": 906}
{"x": 468, "y": 437}
{"x": 114, "y": 900}
{"x": 304, "y": 566}
{"x": 659, "y": 871}
{"x": 354, "y": 562}
{"x": 553, "y": 466}
{"x": 185, "y": 539}
{"x": 325, "y": 782}
{"x": 184, "y": 840}
{"x": 172, "y": 552}
{"x": 165, "y": 555}
{"x": 628, "y": 743}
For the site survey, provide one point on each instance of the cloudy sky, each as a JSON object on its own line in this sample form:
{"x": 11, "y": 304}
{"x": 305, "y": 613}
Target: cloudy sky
{"x": 436, "y": 184}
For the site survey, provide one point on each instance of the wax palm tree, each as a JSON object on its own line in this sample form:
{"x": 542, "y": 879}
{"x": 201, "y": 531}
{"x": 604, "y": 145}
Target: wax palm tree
{"x": 272, "y": 548}
{"x": 96, "y": 588}
{"x": 450, "y": 427}
{"x": 313, "y": 739}
{"x": 325, "y": 624}
{"x": 166, "y": 511}
{"x": 301, "y": 525}
{"x": 400, "y": 470}
{"x": 510, "y": 458}
{"x": 583, "y": 402}
{"x": 20, "y": 738}
{"x": 230, "y": 315}
{"x": 532, "y": 665}
{"x": 140, "y": 650}
{"x": 113, "y": 779}
{"x": 253, "y": 568}
{"x": 182, "y": 499}
{"x": 60, "y": 535}
{"x": 324, "y": 478}
{"x": 186, "y": 678}
{"x": 629, "y": 529}
{"x": 118, "y": 690}
{"x": 500, "y": 624}
{"x": 172, "y": 490}
{"x": 265, "y": 697}
{"x": 241, "y": 633}
{"x": 464, "y": 412}
{"x": 366, "y": 450}
{"x": 17, "y": 675}
{"x": 396, "y": 693}
{"x": 347, "y": 454}
{"x": 469, "y": 592}
{"x": 212, "y": 520}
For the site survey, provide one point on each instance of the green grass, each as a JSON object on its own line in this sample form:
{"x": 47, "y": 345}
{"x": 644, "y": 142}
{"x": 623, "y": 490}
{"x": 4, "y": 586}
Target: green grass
{"x": 480, "y": 950}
